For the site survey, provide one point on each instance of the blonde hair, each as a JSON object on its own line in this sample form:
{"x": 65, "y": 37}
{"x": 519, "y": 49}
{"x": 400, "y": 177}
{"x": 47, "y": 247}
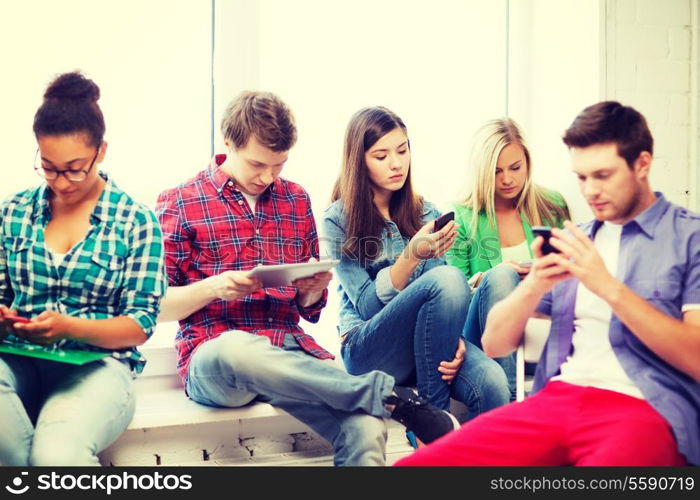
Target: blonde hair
{"x": 488, "y": 142}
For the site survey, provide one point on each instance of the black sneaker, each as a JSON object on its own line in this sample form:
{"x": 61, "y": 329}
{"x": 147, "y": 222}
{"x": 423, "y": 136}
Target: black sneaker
{"x": 425, "y": 420}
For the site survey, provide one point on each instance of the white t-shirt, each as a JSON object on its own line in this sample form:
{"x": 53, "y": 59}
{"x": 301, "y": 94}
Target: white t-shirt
{"x": 58, "y": 257}
{"x": 516, "y": 253}
{"x": 593, "y": 361}
{"x": 252, "y": 200}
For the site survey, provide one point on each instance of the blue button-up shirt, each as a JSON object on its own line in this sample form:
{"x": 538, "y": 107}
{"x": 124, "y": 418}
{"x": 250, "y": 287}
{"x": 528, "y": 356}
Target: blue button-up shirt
{"x": 660, "y": 261}
{"x": 364, "y": 290}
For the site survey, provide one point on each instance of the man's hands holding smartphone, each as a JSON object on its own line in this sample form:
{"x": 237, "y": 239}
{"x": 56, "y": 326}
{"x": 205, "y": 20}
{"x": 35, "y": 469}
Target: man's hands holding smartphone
{"x": 546, "y": 270}
{"x": 579, "y": 258}
{"x": 574, "y": 255}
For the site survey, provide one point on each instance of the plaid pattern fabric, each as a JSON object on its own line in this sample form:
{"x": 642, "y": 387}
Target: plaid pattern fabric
{"x": 116, "y": 270}
{"x": 209, "y": 228}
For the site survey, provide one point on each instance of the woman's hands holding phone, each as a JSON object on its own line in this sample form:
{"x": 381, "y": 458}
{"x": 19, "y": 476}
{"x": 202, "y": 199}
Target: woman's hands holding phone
{"x": 427, "y": 244}
{"x": 9, "y": 318}
{"x": 46, "y": 329}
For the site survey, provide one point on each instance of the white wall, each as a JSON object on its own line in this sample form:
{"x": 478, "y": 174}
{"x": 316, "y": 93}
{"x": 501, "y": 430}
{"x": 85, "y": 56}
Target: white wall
{"x": 649, "y": 67}
{"x": 440, "y": 66}
{"x": 151, "y": 60}
{"x": 555, "y": 71}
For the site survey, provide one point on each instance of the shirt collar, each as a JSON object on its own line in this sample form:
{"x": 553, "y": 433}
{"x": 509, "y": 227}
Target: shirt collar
{"x": 40, "y": 199}
{"x": 221, "y": 180}
{"x": 647, "y": 221}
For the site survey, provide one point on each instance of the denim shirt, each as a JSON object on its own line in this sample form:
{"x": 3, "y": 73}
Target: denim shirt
{"x": 659, "y": 261}
{"x": 365, "y": 290}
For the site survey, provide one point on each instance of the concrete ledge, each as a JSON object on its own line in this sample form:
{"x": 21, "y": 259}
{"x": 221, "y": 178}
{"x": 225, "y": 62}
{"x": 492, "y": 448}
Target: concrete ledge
{"x": 161, "y": 402}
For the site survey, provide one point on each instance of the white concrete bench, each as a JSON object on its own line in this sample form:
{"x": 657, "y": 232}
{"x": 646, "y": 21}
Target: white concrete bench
{"x": 170, "y": 429}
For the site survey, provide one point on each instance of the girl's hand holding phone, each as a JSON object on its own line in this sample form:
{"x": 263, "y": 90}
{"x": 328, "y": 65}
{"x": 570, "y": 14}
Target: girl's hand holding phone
{"x": 522, "y": 268}
{"x": 427, "y": 244}
{"x": 8, "y": 318}
{"x": 45, "y": 329}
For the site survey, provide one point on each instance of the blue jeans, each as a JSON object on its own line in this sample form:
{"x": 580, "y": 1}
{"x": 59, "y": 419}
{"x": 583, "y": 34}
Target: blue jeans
{"x": 56, "y": 414}
{"x": 415, "y": 331}
{"x": 237, "y": 367}
{"x": 496, "y": 284}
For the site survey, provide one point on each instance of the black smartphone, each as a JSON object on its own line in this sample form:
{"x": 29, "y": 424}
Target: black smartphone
{"x": 546, "y": 233}
{"x": 442, "y": 220}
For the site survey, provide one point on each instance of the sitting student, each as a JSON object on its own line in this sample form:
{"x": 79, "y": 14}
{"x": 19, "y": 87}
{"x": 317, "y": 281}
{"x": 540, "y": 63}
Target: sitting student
{"x": 402, "y": 308}
{"x": 238, "y": 342}
{"x": 495, "y": 221}
{"x": 618, "y": 379}
{"x": 85, "y": 262}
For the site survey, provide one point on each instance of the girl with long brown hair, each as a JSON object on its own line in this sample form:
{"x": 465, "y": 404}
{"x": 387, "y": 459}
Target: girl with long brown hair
{"x": 402, "y": 308}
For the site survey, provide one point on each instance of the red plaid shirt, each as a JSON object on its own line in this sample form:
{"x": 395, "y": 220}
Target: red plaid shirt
{"x": 209, "y": 228}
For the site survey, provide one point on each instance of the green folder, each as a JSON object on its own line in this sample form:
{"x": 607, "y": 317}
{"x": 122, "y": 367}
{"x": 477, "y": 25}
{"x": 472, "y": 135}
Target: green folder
{"x": 71, "y": 356}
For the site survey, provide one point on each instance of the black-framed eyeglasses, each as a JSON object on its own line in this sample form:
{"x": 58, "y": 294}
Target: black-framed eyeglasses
{"x": 72, "y": 175}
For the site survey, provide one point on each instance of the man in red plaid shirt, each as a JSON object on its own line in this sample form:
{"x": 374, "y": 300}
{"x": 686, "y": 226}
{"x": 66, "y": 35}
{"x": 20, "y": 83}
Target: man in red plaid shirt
{"x": 238, "y": 342}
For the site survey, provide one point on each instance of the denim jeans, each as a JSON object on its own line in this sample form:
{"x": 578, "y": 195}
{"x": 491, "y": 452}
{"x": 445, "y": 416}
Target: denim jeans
{"x": 496, "y": 284}
{"x": 415, "y": 331}
{"x": 56, "y": 414}
{"x": 237, "y": 367}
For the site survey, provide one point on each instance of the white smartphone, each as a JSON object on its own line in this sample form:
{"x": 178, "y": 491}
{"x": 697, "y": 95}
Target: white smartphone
{"x": 526, "y": 263}
{"x": 284, "y": 274}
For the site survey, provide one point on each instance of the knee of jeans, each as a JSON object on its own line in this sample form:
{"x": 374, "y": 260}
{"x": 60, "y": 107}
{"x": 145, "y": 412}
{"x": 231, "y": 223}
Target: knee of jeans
{"x": 365, "y": 433}
{"x": 61, "y": 452}
{"x": 5, "y": 380}
{"x": 449, "y": 281}
{"x": 501, "y": 280}
{"x": 16, "y": 455}
{"x": 237, "y": 352}
{"x": 495, "y": 383}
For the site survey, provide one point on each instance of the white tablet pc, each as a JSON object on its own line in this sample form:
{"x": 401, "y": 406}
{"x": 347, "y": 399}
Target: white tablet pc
{"x": 284, "y": 274}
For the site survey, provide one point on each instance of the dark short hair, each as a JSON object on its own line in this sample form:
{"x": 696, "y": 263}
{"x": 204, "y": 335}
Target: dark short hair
{"x": 263, "y": 115}
{"x": 70, "y": 107}
{"x": 610, "y": 121}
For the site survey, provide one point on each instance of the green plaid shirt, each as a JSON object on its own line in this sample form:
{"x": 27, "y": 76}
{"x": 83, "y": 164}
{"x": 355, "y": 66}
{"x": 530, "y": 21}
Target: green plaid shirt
{"x": 116, "y": 270}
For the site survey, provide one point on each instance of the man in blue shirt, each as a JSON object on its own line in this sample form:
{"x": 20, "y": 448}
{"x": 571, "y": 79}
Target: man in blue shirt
{"x": 617, "y": 383}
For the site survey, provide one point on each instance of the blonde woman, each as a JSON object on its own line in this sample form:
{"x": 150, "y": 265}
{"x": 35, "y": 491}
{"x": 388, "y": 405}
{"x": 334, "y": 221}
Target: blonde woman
{"x": 495, "y": 223}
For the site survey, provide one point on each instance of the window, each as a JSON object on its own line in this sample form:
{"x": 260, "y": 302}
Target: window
{"x": 152, "y": 61}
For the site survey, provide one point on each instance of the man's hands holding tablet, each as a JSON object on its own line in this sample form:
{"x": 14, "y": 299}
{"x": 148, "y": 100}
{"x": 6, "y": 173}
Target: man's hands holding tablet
{"x": 310, "y": 289}
{"x": 311, "y": 278}
{"x": 301, "y": 275}
{"x": 232, "y": 285}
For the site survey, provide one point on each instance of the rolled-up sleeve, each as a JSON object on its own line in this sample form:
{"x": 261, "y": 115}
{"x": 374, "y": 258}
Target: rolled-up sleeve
{"x": 6, "y": 294}
{"x": 144, "y": 274}
{"x": 176, "y": 241}
{"x": 384, "y": 286}
{"x": 545, "y": 305}
{"x": 691, "y": 282}
{"x": 312, "y": 313}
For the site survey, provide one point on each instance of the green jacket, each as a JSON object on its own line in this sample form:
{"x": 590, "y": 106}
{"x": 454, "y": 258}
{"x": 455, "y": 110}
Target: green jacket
{"x": 477, "y": 252}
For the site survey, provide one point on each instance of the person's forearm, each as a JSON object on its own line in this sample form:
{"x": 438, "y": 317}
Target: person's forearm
{"x": 402, "y": 270}
{"x": 181, "y": 301}
{"x": 114, "y": 333}
{"x": 507, "y": 319}
{"x": 306, "y": 299}
{"x": 676, "y": 342}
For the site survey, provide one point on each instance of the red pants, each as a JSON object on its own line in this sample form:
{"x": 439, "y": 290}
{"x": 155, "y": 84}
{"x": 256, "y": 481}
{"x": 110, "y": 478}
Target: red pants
{"x": 563, "y": 424}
